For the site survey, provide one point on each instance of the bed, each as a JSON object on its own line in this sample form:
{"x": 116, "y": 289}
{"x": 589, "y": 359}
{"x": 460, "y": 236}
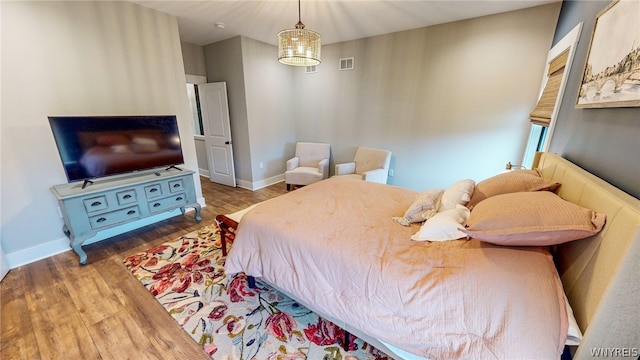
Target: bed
{"x": 333, "y": 247}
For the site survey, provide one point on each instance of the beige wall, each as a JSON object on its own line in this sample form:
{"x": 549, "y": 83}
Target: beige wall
{"x": 193, "y": 57}
{"x": 259, "y": 92}
{"x": 450, "y": 101}
{"x": 270, "y": 114}
{"x": 224, "y": 63}
{"x": 75, "y": 58}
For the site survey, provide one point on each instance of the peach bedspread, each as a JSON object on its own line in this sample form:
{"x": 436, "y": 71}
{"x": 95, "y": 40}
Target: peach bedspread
{"x": 334, "y": 247}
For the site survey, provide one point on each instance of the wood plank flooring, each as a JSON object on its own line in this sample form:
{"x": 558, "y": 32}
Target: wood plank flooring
{"x": 57, "y": 309}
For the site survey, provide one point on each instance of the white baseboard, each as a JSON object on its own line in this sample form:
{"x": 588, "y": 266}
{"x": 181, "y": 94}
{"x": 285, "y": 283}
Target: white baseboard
{"x": 249, "y": 185}
{"x": 39, "y": 252}
{"x": 260, "y": 184}
{"x": 204, "y": 172}
{"x": 55, "y": 247}
{"x": 4, "y": 264}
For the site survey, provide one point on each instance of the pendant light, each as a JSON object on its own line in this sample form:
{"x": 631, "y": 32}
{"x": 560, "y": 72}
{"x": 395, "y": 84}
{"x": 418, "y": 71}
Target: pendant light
{"x": 299, "y": 46}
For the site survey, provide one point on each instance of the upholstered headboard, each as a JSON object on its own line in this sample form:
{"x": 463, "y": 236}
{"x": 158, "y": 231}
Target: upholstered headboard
{"x": 601, "y": 275}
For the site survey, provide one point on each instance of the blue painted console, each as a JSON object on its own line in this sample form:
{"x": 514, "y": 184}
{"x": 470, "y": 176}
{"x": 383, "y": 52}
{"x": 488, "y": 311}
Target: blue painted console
{"x": 108, "y": 203}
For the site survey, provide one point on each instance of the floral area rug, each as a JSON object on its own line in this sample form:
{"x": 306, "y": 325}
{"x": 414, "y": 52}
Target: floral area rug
{"x": 226, "y": 317}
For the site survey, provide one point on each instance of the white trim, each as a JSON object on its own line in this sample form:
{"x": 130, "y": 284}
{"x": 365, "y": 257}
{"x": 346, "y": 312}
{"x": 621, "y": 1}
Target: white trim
{"x": 205, "y": 173}
{"x": 569, "y": 41}
{"x": 58, "y": 246}
{"x": 38, "y": 252}
{"x": 259, "y": 184}
{"x": 4, "y": 264}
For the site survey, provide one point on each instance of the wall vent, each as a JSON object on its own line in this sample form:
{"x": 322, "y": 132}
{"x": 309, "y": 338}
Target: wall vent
{"x": 311, "y": 69}
{"x": 346, "y": 63}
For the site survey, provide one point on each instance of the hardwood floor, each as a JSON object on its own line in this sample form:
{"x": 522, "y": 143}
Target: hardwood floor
{"x": 57, "y": 309}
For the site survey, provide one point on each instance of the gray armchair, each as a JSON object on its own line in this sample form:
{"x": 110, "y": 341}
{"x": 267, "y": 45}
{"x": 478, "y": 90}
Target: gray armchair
{"x": 368, "y": 164}
{"x": 310, "y": 164}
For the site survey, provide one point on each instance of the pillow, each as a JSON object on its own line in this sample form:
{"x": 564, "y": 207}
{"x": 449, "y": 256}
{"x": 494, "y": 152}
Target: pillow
{"x": 510, "y": 182}
{"x": 443, "y": 226}
{"x": 144, "y": 145}
{"x": 538, "y": 218}
{"x": 120, "y": 149}
{"x": 428, "y": 200}
{"x": 110, "y": 140}
{"x": 457, "y": 194}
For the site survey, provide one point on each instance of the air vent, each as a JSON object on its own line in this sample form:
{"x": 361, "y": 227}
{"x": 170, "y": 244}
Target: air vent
{"x": 311, "y": 69}
{"x": 346, "y": 63}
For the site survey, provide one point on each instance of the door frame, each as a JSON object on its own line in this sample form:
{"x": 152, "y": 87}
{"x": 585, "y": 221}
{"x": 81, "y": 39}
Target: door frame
{"x": 195, "y": 80}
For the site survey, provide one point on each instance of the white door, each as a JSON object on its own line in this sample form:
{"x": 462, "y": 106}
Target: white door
{"x": 217, "y": 132}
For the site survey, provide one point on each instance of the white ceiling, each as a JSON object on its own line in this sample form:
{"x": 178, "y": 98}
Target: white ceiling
{"x": 335, "y": 20}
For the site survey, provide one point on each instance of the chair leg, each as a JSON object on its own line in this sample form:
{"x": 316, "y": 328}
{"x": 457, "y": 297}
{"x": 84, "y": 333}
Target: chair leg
{"x": 288, "y": 187}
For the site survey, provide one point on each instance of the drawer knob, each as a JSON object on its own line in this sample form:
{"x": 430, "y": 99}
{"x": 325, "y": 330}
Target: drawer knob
{"x": 153, "y": 190}
{"x": 127, "y": 196}
{"x": 156, "y": 204}
{"x": 176, "y": 185}
{"x": 101, "y": 220}
{"x": 96, "y": 203}
{"x": 131, "y": 212}
{"x": 179, "y": 198}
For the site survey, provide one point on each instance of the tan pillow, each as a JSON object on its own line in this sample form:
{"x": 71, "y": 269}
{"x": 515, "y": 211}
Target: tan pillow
{"x": 510, "y": 182}
{"x": 538, "y": 218}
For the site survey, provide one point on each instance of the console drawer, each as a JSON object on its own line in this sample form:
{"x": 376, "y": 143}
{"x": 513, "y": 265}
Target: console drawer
{"x": 96, "y": 203}
{"x": 176, "y": 185}
{"x": 126, "y": 197}
{"x": 153, "y": 190}
{"x": 114, "y": 217}
{"x": 168, "y": 203}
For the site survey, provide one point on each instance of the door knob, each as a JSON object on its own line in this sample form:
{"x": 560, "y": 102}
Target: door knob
{"x": 228, "y": 142}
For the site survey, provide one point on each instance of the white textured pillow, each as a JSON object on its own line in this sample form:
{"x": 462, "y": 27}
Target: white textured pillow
{"x": 426, "y": 201}
{"x": 457, "y": 194}
{"x": 444, "y": 225}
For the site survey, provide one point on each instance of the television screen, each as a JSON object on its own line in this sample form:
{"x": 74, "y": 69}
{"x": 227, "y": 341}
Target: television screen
{"x": 96, "y": 146}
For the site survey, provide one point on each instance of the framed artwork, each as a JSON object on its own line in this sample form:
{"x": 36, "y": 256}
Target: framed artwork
{"x": 611, "y": 76}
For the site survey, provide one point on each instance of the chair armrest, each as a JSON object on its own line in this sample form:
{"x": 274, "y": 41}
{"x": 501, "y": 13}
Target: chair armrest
{"x": 323, "y": 168}
{"x": 293, "y": 163}
{"x": 346, "y": 168}
{"x": 377, "y": 175}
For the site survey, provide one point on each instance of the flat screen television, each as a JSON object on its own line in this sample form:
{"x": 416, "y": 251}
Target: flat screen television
{"x": 91, "y": 147}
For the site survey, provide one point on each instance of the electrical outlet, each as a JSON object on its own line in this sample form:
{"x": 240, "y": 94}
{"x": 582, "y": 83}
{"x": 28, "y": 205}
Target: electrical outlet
{"x": 390, "y": 172}
{"x": 261, "y": 165}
